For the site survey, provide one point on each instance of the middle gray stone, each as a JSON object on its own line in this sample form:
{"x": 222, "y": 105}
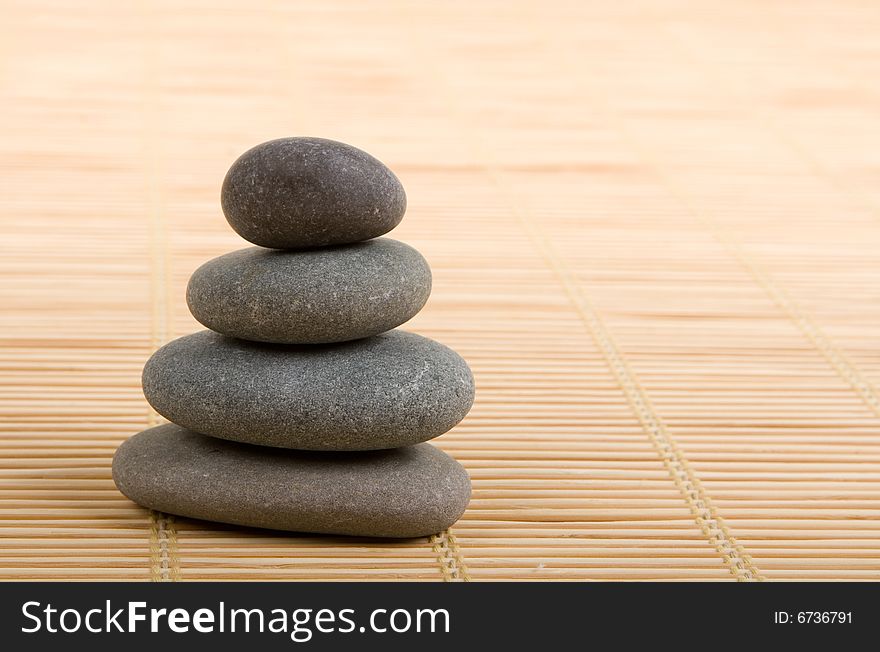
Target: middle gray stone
{"x": 390, "y": 390}
{"x": 316, "y": 296}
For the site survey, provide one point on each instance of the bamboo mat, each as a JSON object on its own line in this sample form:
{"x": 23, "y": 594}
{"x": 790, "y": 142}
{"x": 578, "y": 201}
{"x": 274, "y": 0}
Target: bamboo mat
{"x": 655, "y": 235}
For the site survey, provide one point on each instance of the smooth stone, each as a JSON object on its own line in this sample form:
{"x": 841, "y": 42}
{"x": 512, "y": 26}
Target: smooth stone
{"x": 393, "y": 389}
{"x": 403, "y": 492}
{"x": 314, "y": 296}
{"x": 306, "y": 192}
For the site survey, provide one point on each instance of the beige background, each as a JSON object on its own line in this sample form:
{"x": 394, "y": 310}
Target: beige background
{"x": 655, "y": 235}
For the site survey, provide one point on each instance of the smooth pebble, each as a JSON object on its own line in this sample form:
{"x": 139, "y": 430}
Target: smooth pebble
{"x": 314, "y": 296}
{"x": 405, "y": 492}
{"x": 292, "y": 193}
{"x": 393, "y": 389}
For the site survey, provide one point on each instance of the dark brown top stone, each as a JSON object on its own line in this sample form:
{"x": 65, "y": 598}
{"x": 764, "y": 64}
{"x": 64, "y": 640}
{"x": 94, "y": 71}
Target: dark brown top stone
{"x": 292, "y": 193}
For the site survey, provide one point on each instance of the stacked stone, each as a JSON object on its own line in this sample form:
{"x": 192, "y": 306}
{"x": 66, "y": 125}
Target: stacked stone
{"x": 301, "y": 409}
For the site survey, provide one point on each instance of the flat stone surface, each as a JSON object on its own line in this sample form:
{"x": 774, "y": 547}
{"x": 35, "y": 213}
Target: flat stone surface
{"x": 332, "y": 294}
{"x": 305, "y": 192}
{"x": 389, "y": 390}
{"x": 403, "y": 492}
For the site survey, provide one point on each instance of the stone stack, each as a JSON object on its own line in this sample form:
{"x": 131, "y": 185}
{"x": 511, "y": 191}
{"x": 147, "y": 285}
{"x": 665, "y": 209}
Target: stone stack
{"x": 301, "y": 409}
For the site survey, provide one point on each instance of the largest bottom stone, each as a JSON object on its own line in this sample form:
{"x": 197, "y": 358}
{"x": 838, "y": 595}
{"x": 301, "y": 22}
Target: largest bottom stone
{"x": 404, "y": 492}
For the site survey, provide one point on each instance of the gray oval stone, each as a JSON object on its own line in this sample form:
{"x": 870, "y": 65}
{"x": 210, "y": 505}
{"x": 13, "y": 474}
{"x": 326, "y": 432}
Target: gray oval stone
{"x": 404, "y": 492}
{"x": 305, "y": 192}
{"x": 393, "y": 389}
{"x": 314, "y": 296}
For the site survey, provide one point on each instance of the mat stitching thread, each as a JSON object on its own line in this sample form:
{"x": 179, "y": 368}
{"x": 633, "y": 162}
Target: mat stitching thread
{"x": 163, "y": 544}
{"x": 452, "y": 565}
{"x": 165, "y": 565}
